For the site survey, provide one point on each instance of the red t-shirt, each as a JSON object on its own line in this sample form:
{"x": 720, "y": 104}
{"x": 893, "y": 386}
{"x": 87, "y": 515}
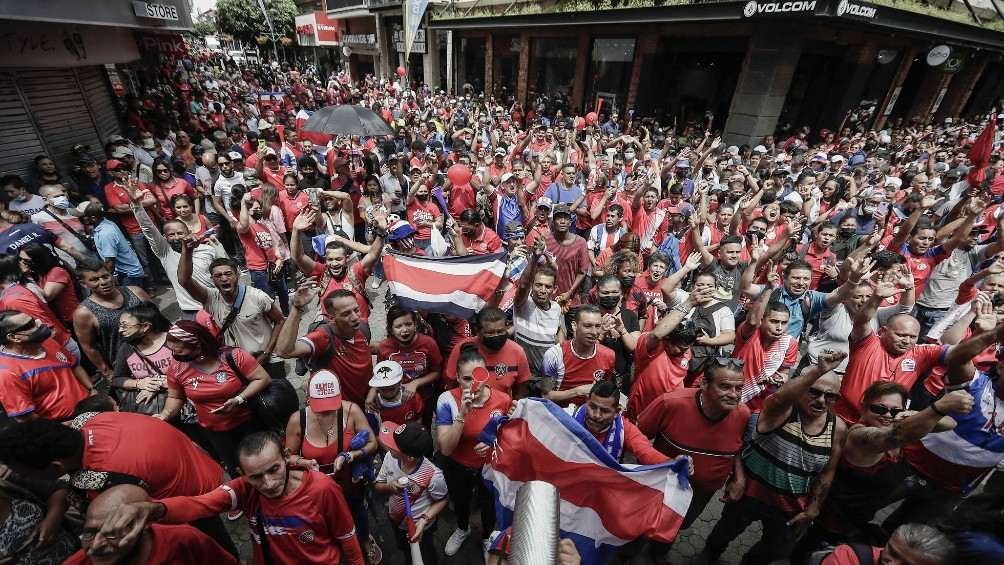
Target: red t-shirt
{"x": 350, "y": 360}
{"x": 408, "y": 411}
{"x": 164, "y": 192}
{"x": 508, "y": 364}
{"x": 273, "y": 177}
{"x": 448, "y": 408}
{"x": 417, "y": 359}
{"x": 844, "y": 555}
{"x": 174, "y": 545}
{"x": 312, "y": 524}
{"x": 418, "y": 212}
{"x": 568, "y": 370}
{"x": 18, "y": 298}
{"x": 66, "y": 301}
{"x": 679, "y": 427}
{"x": 487, "y": 242}
{"x": 572, "y": 260}
{"x": 655, "y": 375}
{"x": 345, "y": 282}
{"x": 755, "y": 357}
{"x": 869, "y": 362}
{"x": 150, "y": 449}
{"x": 210, "y": 390}
{"x": 817, "y": 260}
{"x": 258, "y": 246}
{"x": 291, "y": 206}
{"x": 921, "y": 266}
{"x": 46, "y": 387}
{"x": 116, "y": 196}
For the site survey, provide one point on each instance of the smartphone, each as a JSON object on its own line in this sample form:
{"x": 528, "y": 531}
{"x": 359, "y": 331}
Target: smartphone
{"x": 209, "y": 233}
{"x": 882, "y": 208}
{"x": 313, "y": 197}
{"x": 262, "y": 144}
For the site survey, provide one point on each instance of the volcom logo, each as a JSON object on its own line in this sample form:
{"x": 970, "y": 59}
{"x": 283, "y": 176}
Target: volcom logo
{"x": 845, "y": 7}
{"x": 753, "y": 7}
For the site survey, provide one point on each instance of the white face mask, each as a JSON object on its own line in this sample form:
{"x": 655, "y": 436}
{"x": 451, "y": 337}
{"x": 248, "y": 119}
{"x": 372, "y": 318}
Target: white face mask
{"x": 61, "y": 202}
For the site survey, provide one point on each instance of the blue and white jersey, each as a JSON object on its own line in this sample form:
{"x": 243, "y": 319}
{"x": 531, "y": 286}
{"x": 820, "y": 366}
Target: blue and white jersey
{"x": 977, "y": 441}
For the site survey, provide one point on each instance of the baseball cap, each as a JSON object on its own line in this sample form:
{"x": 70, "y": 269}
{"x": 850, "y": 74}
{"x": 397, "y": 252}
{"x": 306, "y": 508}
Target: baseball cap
{"x": 544, "y": 202}
{"x": 113, "y": 164}
{"x": 674, "y": 210}
{"x": 386, "y": 373}
{"x": 324, "y": 393}
{"x": 411, "y": 439}
{"x": 506, "y": 177}
{"x": 500, "y": 152}
{"x": 235, "y": 156}
{"x": 818, "y": 158}
{"x": 263, "y": 124}
{"x": 116, "y": 138}
{"x": 148, "y": 143}
{"x": 121, "y": 152}
{"x": 894, "y": 182}
{"x": 760, "y": 149}
{"x": 561, "y": 208}
{"x": 838, "y": 159}
{"x": 683, "y": 164}
{"x": 732, "y": 150}
{"x": 941, "y": 167}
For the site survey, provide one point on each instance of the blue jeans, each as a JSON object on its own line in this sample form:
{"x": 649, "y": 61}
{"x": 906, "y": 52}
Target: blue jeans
{"x": 277, "y": 289}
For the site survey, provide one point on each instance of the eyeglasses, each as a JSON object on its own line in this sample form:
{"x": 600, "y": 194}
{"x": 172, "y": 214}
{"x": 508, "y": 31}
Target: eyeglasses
{"x": 880, "y": 410}
{"x": 730, "y": 362}
{"x": 829, "y": 397}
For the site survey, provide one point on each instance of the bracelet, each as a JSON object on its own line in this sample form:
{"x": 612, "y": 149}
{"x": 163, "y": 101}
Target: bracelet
{"x": 455, "y": 420}
{"x": 240, "y": 399}
{"x": 935, "y": 410}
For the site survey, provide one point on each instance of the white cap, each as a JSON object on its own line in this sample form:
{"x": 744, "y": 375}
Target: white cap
{"x": 263, "y": 124}
{"x": 506, "y": 177}
{"x": 837, "y": 159}
{"x": 386, "y": 373}
{"x": 733, "y": 149}
{"x": 894, "y": 182}
{"x": 324, "y": 393}
{"x": 760, "y": 149}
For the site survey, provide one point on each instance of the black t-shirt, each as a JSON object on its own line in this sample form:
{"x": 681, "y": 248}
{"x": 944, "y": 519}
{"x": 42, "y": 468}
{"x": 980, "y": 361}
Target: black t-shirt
{"x": 624, "y": 359}
{"x": 727, "y": 280}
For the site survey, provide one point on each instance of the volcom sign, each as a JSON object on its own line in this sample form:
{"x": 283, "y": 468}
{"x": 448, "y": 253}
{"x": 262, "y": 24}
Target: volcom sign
{"x": 851, "y": 9}
{"x": 754, "y": 8}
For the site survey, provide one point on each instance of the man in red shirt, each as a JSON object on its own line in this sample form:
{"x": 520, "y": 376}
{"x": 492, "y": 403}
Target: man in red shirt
{"x": 119, "y": 196}
{"x": 662, "y": 358}
{"x": 601, "y": 416}
{"x": 338, "y": 345}
{"x": 707, "y": 424}
{"x": 892, "y": 354}
{"x": 916, "y": 240}
{"x": 571, "y": 254}
{"x": 303, "y": 513}
{"x": 99, "y": 450}
{"x": 818, "y": 255}
{"x": 156, "y": 544}
{"x": 570, "y": 368}
{"x": 504, "y": 358}
{"x": 765, "y": 347}
{"x": 475, "y": 237}
{"x": 38, "y": 377}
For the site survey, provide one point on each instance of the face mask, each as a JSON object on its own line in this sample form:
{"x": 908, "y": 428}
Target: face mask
{"x": 848, "y": 232}
{"x": 868, "y": 209}
{"x": 39, "y": 334}
{"x": 609, "y": 302}
{"x": 61, "y": 202}
{"x": 627, "y": 282}
{"x": 176, "y": 245}
{"x": 256, "y": 214}
{"x": 495, "y": 342}
{"x": 185, "y": 358}
{"x": 423, "y": 197}
{"x": 133, "y": 339}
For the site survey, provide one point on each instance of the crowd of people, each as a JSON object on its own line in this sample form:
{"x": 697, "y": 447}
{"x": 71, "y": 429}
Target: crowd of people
{"x": 815, "y": 321}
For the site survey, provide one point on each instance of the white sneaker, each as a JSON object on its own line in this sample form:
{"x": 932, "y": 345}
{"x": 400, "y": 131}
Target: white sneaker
{"x": 456, "y": 540}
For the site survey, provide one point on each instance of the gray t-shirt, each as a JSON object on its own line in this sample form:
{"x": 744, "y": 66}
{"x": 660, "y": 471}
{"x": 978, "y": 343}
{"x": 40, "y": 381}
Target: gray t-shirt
{"x": 252, "y": 329}
{"x": 943, "y": 284}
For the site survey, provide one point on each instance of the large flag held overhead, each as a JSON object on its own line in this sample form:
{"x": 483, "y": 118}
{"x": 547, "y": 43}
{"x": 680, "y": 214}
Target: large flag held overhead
{"x": 316, "y": 137}
{"x": 604, "y": 504}
{"x": 459, "y": 286}
{"x": 979, "y": 154}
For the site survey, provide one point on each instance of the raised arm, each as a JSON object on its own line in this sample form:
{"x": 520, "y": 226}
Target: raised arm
{"x": 903, "y": 234}
{"x": 875, "y": 441}
{"x": 960, "y": 357}
{"x": 194, "y": 289}
{"x": 304, "y": 221}
{"x": 778, "y": 406}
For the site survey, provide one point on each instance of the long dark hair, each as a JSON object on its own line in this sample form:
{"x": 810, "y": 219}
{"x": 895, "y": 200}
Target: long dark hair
{"x": 42, "y": 259}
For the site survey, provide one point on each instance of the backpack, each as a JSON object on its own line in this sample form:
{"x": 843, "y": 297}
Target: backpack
{"x": 704, "y": 320}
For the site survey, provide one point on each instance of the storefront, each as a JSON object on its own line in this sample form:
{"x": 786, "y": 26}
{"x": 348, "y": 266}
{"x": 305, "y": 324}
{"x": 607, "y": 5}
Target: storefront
{"x": 320, "y": 37}
{"x": 57, "y": 62}
{"x": 746, "y": 66}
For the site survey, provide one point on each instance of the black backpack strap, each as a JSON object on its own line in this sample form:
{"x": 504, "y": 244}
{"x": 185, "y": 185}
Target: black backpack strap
{"x": 260, "y": 527}
{"x": 341, "y": 446}
{"x": 322, "y": 358}
{"x": 232, "y": 363}
{"x": 303, "y": 426}
{"x": 864, "y": 553}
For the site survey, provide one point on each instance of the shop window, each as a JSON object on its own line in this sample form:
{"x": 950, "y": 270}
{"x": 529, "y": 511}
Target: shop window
{"x": 610, "y": 72}
{"x": 552, "y": 67}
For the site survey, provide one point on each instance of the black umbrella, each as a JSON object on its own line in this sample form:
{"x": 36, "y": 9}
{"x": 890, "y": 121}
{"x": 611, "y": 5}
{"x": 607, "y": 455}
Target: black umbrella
{"x": 347, "y": 119}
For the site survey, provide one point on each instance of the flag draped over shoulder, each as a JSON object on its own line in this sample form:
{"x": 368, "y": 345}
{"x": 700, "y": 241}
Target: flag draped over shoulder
{"x": 458, "y": 286}
{"x": 604, "y": 504}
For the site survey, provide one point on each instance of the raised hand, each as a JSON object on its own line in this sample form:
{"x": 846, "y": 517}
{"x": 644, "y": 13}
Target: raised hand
{"x": 829, "y": 359}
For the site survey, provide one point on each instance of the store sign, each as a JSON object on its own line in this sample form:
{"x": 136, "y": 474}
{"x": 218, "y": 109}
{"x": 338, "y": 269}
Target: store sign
{"x": 938, "y": 55}
{"x": 155, "y": 11}
{"x": 755, "y": 8}
{"x": 30, "y": 44}
{"x": 328, "y": 31}
{"x": 418, "y": 46}
{"x": 852, "y": 9}
{"x": 367, "y": 39}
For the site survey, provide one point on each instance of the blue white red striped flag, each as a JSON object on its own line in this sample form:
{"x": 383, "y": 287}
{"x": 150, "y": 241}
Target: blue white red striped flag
{"x": 604, "y": 504}
{"x": 458, "y": 286}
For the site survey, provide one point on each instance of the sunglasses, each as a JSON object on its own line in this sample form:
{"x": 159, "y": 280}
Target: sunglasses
{"x": 830, "y": 397}
{"x": 880, "y": 410}
{"x": 730, "y": 362}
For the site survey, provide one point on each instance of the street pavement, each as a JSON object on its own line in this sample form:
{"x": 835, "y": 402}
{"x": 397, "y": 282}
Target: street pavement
{"x": 688, "y": 544}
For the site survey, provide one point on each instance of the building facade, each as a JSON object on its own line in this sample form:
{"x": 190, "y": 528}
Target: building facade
{"x": 754, "y": 64}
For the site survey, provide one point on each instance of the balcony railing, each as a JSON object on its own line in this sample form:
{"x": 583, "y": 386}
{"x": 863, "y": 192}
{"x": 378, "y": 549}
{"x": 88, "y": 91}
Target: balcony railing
{"x": 343, "y": 4}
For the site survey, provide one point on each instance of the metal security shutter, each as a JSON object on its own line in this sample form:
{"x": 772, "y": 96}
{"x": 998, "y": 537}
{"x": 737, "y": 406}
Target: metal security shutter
{"x": 20, "y": 142}
{"x": 57, "y": 105}
{"x": 99, "y": 101}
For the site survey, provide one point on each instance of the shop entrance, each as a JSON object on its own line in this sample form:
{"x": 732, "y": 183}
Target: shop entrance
{"x": 812, "y": 86}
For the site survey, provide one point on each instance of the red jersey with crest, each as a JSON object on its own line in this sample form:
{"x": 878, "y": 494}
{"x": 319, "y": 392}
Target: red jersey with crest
{"x": 209, "y": 390}
{"x": 45, "y": 386}
{"x": 448, "y": 409}
{"x": 508, "y": 365}
{"x": 417, "y": 359}
{"x": 172, "y": 545}
{"x": 569, "y": 370}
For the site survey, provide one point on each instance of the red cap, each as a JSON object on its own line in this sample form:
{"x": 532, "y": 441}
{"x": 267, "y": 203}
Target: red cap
{"x": 112, "y": 164}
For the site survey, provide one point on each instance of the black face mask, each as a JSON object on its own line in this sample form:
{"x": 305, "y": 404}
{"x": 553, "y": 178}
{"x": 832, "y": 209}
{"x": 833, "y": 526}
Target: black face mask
{"x": 848, "y": 232}
{"x": 608, "y": 302}
{"x": 627, "y": 282}
{"x": 39, "y": 334}
{"x": 134, "y": 338}
{"x": 186, "y": 357}
{"x": 422, "y": 197}
{"x": 495, "y": 342}
{"x": 178, "y": 246}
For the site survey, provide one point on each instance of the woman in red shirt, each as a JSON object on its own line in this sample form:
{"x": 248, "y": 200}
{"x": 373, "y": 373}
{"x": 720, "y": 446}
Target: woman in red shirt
{"x": 461, "y": 414}
{"x": 321, "y": 435}
{"x": 42, "y": 266}
{"x": 219, "y": 383}
{"x": 166, "y": 186}
{"x": 187, "y": 212}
